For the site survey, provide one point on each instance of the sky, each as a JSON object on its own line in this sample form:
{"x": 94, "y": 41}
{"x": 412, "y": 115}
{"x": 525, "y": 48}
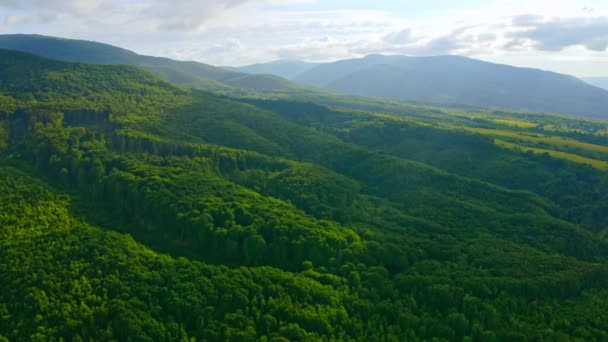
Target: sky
{"x": 567, "y": 36}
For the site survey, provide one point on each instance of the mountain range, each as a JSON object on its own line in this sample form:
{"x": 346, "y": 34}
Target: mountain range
{"x": 437, "y": 80}
{"x": 288, "y": 69}
{"x": 187, "y": 73}
{"x": 448, "y": 80}
{"x": 136, "y": 209}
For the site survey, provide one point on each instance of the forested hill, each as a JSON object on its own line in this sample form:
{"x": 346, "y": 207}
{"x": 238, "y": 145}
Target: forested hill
{"x": 452, "y": 80}
{"x": 133, "y": 209}
{"x": 191, "y": 74}
{"x": 373, "y": 83}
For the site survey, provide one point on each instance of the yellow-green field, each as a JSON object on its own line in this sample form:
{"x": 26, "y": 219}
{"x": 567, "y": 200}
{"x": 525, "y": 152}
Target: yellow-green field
{"x": 515, "y": 123}
{"x": 599, "y": 164}
{"x": 560, "y": 147}
{"x": 539, "y": 138}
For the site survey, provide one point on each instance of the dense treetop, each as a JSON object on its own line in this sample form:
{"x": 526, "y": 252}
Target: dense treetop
{"x": 133, "y": 209}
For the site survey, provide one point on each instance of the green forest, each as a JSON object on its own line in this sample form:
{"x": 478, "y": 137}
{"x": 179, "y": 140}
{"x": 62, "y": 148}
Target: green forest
{"x": 134, "y": 209}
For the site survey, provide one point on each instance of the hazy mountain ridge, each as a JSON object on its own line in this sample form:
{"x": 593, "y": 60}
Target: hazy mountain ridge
{"x": 440, "y": 80}
{"x": 601, "y": 82}
{"x": 288, "y": 69}
{"x": 189, "y": 73}
{"x": 458, "y": 80}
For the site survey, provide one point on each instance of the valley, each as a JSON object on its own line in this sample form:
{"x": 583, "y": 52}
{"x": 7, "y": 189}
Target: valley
{"x": 136, "y": 208}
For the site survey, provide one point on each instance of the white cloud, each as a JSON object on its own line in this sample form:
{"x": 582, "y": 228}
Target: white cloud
{"x": 188, "y": 15}
{"x": 557, "y": 34}
{"x": 78, "y": 6}
{"x": 250, "y": 31}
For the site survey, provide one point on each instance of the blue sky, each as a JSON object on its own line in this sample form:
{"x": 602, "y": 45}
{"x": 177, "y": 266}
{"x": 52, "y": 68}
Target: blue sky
{"x": 560, "y": 35}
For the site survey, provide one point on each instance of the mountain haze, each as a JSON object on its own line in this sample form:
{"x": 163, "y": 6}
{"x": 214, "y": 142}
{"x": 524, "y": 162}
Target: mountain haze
{"x": 601, "y": 82}
{"x": 288, "y": 69}
{"x": 439, "y": 80}
{"x": 187, "y": 73}
{"x": 456, "y": 80}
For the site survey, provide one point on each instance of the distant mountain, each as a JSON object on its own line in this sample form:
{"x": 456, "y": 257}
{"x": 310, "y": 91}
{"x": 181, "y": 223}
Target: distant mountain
{"x": 456, "y": 80}
{"x": 191, "y": 74}
{"x": 439, "y": 80}
{"x": 601, "y": 82}
{"x": 288, "y": 69}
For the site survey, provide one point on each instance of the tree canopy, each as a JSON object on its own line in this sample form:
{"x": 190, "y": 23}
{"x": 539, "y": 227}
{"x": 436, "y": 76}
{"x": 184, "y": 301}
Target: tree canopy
{"x": 136, "y": 210}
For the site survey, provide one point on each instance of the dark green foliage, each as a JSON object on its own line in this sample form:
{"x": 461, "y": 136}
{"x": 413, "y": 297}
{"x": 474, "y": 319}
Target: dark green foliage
{"x": 135, "y": 210}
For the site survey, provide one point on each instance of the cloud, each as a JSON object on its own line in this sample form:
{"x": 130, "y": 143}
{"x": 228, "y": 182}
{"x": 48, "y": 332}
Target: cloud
{"x": 442, "y": 45}
{"x": 558, "y": 34}
{"x": 75, "y": 6}
{"x": 188, "y": 15}
{"x": 526, "y": 20}
{"x": 14, "y": 20}
{"x": 486, "y": 37}
{"x": 457, "y": 40}
{"x": 515, "y": 44}
{"x": 401, "y": 37}
{"x": 177, "y": 15}
{"x": 251, "y": 31}
{"x": 401, "y": 41}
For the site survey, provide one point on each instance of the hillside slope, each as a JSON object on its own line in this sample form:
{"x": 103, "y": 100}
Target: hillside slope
{"x": 191, "y": 74}
{"x": 132, "y": 208}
